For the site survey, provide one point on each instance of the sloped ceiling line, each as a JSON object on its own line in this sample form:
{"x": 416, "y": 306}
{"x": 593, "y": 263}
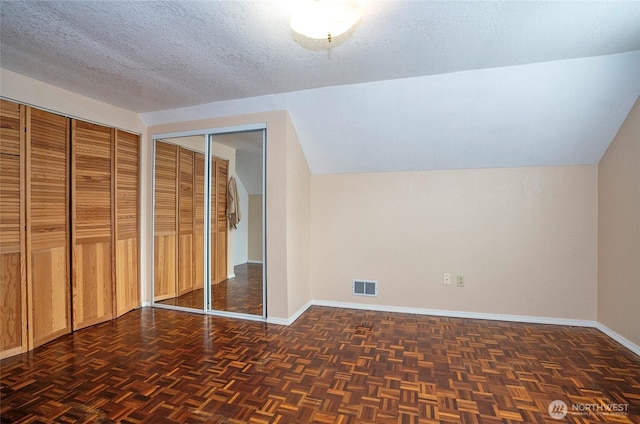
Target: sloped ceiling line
{"x": 415, "y": 85}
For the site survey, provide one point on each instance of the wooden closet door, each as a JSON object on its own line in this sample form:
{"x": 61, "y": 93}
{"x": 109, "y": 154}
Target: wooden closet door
{"x": 213, "y": 215}
{"x": 198, "y": 216}
{"x": 92, "y": 238}
{"x": 127, "y": 160}
{"x": 13, "y": 295}
{"x": 48, "y": 249}
{"x": 222, "y": 170}
{"x": 185, "y": 219}
{"x": 165, "y": 258}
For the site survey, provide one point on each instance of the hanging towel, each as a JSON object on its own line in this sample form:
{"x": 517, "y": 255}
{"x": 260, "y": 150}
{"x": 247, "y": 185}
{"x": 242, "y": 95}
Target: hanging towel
{"x": 233, "y": 204}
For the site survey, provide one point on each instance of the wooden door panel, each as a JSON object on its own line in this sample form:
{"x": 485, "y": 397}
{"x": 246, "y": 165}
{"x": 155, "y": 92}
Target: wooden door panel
{"x": 185, "y": 264}
{"x": 198, "y": 258}
{"x": 185, "y": 218}
{"x": 127, "y": 282}
{"x": 221, "y": 258}
{"x": 128, "y": 285}
{"x": 127, "y": 176}
{"x": 165, "y": 221}
{"x": 212, "y": 256}
{"x": 198, "y": 214}
{"x": 164, "y": 262}
{"x": 93, "y": 224}
{"x": 213, "y": 216}
{"x": 11, "y": 305}
{"x": 48, "y": 249}
{"x": 10, "y": 173}
{"x": 221, "y": 226}
{"x": 13, "y": 336}
{"x": 92, "y": 297}
{"x": 50, "y": 295}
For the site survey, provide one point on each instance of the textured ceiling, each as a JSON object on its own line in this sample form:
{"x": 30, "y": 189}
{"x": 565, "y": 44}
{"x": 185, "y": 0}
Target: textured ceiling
{"x": 415, "y": 85}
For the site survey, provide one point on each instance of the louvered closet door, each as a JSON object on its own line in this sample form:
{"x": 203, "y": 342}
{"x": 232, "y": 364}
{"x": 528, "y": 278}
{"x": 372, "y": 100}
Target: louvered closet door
{"x": 221, "y": 238}
{"x": 165, "y": 258}
{"x": 48, "y": 249}
{"x": 213, "y": 214}
{"x": 92, "y": 224}
{"x": 185, "y": 206}
{"x": 13, "y": 317}
{"x": 127, "y": 225}
{"x": 198, "y": 214}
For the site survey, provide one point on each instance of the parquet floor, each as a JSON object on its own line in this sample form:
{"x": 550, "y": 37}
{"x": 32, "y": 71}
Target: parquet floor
{"x": 242, "y": 294}
{"x": 330, "y": 366}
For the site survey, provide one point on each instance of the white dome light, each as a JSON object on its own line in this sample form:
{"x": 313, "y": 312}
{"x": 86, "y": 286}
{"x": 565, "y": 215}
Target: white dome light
{"x": 325, "y": 18}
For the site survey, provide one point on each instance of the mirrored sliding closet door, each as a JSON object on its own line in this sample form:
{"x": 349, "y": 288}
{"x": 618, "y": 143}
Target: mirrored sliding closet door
{"x": 209, "y": 222}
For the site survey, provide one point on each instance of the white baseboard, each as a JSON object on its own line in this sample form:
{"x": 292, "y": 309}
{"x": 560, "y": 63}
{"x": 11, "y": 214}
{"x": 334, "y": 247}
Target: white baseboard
{"x": 279, "y": 321}
{"x": 454, "y": 314}
{"x": 459, "y": 314}
{"x": 292, "y": 318}
{"x": 617, "y": 337}
{"x": 254, "y": 262}
{"x": 300, "y": 311}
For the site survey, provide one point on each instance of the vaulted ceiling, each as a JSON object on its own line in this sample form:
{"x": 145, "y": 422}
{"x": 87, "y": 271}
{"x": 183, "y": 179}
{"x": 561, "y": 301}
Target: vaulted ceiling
{"x": 415, "y": 85}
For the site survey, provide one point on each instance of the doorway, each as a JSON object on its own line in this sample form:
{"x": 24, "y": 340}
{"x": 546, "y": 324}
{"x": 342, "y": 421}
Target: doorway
{"x": 209, "y": 221}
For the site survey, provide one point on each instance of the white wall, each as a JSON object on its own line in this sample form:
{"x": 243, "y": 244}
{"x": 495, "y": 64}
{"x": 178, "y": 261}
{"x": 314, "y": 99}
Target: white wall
{"x": 241, "y": 233}
{"x": 525, "y": 239}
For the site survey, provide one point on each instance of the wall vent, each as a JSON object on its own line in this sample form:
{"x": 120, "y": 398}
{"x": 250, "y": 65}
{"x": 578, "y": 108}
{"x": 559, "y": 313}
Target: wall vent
{"x": 365, "y": 288}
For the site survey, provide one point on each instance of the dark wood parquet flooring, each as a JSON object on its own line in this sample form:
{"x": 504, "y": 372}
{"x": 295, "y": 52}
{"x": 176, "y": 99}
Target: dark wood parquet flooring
{"x": 241, "y": 294}
{"x": 330, "y": 366}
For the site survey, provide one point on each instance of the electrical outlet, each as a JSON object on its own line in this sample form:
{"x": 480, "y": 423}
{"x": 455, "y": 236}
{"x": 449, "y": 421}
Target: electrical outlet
{"x": 460, "y": 281}
{"x": 446, "y": 279}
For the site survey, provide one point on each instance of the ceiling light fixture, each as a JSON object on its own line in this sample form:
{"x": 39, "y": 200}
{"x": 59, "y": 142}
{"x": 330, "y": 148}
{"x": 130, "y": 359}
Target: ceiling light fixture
{"x": 325, "y": 18}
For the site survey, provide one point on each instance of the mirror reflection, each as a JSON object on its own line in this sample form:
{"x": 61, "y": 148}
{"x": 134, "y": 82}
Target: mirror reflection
{"x": 241, "y": 290}
{"x": 179, "y": 245}
{"x": 233, "y": 252}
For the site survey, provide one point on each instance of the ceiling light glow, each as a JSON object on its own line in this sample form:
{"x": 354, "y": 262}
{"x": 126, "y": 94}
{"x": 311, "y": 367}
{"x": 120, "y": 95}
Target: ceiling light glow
{"x": 322, "y": 19}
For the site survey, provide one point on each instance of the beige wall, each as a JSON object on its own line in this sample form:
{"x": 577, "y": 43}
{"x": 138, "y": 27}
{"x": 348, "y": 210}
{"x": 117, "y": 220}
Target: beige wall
{"x": 549, "y": 242}
{"x": 619, "y": 231}
{"x": 281, "y": 271}
{"x": 254, "y": 222}
{"x": 298, "y": 180}
{"x": 525, "y": 239}
{"x": 44, "y": 96}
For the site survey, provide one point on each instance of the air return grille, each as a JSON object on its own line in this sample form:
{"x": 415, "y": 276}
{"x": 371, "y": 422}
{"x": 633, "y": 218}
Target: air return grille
{"x": 365, "y": 288}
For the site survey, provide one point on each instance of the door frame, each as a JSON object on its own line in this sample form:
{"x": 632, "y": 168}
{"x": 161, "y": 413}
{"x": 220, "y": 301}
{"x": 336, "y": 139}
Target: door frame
{"x": 209, "y": 135}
